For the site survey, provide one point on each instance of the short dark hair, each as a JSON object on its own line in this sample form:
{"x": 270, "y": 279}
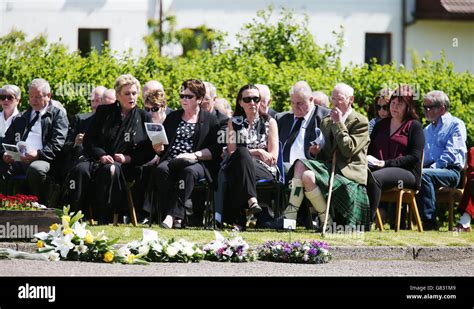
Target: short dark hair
{"x": 404, "y": 93}
{"x": 196, "y": 86}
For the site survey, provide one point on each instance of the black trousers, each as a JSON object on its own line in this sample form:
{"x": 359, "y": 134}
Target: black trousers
{"x": 242, "y": 172}
{"x": 386, "y": 178}
{"x": 92, "y": 184}
{"x": 171, "y": 188}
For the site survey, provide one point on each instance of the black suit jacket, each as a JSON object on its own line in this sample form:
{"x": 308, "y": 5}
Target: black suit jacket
{"x": 79, "y": 124}
{"x": 285, "y": 123}
{"x": 54, "y": 126}
{"x": 205, "y": 136}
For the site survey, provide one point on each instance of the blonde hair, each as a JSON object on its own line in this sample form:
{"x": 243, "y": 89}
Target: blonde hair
{"x": 124, "y": 80}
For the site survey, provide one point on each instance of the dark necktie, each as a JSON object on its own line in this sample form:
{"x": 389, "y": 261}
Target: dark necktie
{"x": 291, "y": 138}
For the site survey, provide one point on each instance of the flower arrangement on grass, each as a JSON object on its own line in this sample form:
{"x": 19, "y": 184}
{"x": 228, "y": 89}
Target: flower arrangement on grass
{"x": 20, "y": 202}
{"x": 233, "y": 249}
{"x": 312, "y": 252}
{"x": 70, "y": 240}
{"x": 153, "y": 249}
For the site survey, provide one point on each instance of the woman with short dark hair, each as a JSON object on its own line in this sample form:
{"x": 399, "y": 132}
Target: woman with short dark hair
{"x": 189, "y": 156}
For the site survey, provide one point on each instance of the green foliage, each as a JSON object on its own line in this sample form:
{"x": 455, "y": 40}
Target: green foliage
{"x": 277, "y": 54}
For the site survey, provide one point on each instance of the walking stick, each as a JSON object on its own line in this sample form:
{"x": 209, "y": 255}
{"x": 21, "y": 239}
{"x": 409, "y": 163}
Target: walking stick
{"x": 328, "y": 203}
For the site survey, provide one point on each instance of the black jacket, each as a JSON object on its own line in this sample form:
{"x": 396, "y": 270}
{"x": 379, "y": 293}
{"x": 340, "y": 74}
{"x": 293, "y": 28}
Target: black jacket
{"x": 205, "y": 136}
{"x": 108, "y": 134}
{"x": 285, "y": 123}
{"x": 54, "y": 127}
{"x": 79, "y": 124}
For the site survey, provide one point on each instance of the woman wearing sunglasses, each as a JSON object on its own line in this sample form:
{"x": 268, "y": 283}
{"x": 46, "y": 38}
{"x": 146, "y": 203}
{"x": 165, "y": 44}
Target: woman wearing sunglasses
{"x": 189, "y": 157}
{"x": 396, "y": 147}
{"x": 155, "y": 104}
{"x": 252, "y": 141}
{"x": 10, "y": 96}
{"x": 381, "y": 107}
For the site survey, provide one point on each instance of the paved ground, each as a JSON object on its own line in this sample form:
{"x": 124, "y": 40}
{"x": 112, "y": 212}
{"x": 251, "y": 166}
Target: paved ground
{"x": 464, "y": 267}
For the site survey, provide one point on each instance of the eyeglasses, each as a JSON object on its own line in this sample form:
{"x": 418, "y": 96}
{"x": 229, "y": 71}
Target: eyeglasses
{"x": 430, "y": 107}
{"x": 153, "y": 109}
{"x": 186, "y": 96}
{"x": 250, "y": 99}
{"x": 385, "y": 107}
{"x": 4, "y": 97}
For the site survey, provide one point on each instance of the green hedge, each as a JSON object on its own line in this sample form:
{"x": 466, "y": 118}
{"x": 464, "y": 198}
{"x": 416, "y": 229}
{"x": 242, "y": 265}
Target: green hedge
{"x": 22, "y": 60}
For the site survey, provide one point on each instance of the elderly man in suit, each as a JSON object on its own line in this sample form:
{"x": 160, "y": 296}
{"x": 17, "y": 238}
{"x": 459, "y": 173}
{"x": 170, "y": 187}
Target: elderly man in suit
{"x": 297, "y": 130}
{"x": 43, "y": 127}
{"x": 265, "y": 101}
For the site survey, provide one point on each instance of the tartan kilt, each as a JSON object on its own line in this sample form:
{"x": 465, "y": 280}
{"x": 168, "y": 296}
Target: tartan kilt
{"x": 349, "y": 199}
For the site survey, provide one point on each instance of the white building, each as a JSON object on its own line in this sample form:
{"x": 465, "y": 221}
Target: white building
{"x": 372, "y": 27}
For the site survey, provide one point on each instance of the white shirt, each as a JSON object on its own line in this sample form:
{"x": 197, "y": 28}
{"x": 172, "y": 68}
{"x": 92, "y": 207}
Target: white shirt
{"x": 34, "y": 139}
{"x": 5, "y": 124}
{"x": 297, "y": 149}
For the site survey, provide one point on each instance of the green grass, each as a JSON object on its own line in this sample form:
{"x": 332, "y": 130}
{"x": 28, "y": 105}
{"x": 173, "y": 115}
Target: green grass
{"x": 128, "y": 233}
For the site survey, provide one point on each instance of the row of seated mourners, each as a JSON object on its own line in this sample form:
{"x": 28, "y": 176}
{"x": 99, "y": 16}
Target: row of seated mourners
{"x": 100, "y": 154}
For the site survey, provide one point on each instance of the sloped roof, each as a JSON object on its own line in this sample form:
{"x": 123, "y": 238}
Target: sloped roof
{"x": 445, "y": 9}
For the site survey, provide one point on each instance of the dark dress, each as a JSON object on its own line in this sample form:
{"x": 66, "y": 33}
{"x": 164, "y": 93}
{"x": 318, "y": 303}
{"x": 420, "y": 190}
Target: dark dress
{"x": 109, "y": 133}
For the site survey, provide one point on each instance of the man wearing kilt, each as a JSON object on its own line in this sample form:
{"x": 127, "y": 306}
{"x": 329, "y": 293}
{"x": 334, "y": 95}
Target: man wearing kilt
{"x": 346, "y": 134}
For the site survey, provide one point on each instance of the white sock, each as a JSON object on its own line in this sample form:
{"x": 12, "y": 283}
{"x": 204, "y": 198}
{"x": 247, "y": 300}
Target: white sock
{"x": 296, "y": 198}
{"x": 297, "y": 192}
{"x": 465, "y": 220}
{"x": 317, "y": 200}
{"x": 319, "y": 204}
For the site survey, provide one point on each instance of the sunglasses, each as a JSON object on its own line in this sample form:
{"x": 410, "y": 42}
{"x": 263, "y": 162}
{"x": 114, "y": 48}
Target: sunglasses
{"x": 385, "y": 107}
{"x": 153, "y": 109}
{"x": 186, "y": 96}
{"x": 250, "y": 99}
{"x": 429, "y": 107}
{"x": 4, "y": 97}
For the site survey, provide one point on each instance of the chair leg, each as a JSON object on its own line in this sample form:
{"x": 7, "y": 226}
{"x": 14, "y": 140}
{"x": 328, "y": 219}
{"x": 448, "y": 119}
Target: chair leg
{"x": 378, "y": 220}
{"x": 131, "y": 206}
{"x": 399, "y": 210}
{"x": 414, "y": 209}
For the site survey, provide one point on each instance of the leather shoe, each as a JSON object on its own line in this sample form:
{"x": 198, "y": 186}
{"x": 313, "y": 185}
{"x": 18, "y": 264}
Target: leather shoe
{"x": 460, "y": 228}
{"x": 254, "y": 209}
{"x": 276, "y": 224}
{"x": 178, "y": 224}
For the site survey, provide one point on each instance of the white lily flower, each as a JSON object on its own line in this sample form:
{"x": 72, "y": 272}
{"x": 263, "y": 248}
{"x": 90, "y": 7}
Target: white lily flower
{"x": 172, "y": 251}
{"x": 188, "y": 251}
{"x": 52, "y": 256}
{"x": 134, "y": 244}
{"x": 157, "y": 247}
{"x": 143, "y": 250}
{"x": 81, "y": 248}
{"x": 63, "y": 244}
{"x": 123, "y": 251}
{"x": 80, "y": 229}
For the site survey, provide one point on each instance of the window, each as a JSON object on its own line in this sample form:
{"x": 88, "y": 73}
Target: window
{"x": 378, "y": 45}
{"x": 92, "y": 38}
